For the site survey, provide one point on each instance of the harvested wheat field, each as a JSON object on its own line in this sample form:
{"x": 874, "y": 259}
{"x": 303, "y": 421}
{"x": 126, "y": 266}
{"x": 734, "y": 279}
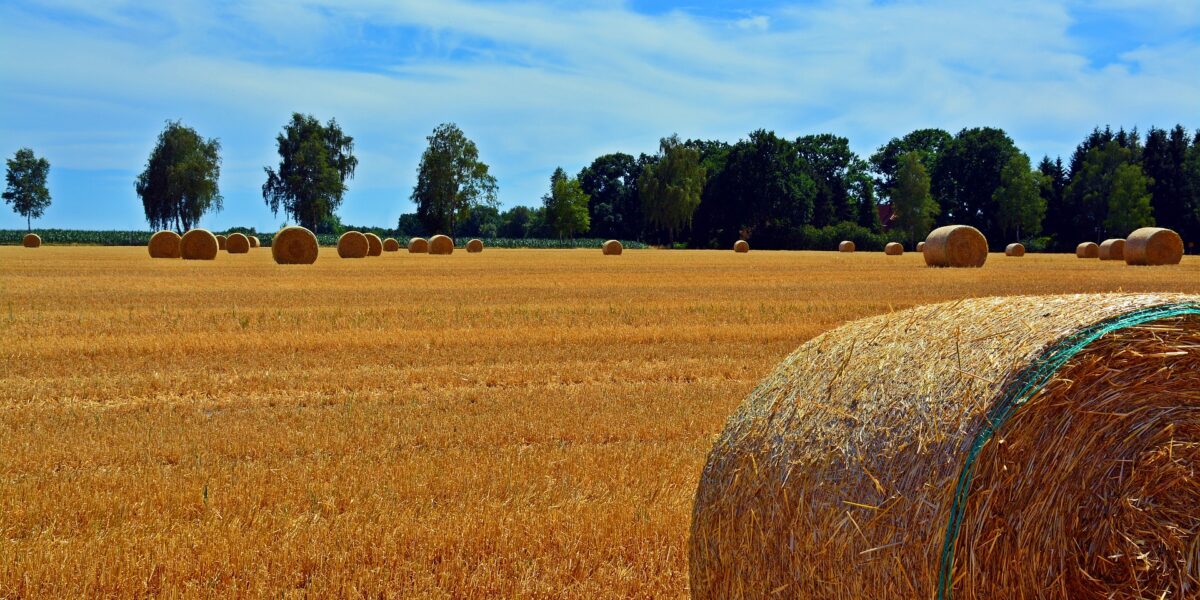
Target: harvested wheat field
{"x": 515, "y": 423}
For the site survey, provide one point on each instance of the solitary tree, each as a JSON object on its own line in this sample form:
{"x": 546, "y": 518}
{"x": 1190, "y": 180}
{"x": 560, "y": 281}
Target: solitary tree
{"x": 566, "y": 205}
{"x": 26, "y": 190}
{"x": 179, "y": 183}
{"x": 1018, "y": 200}
{"x": 451, "y": 180}
{"x": 1128, "y": 201}
{"x": 912, "y": 204}
{"x": 671, "y": 187}
{"x": 315, "y": 161}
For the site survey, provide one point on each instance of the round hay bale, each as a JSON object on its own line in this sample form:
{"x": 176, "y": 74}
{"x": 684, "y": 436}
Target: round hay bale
{"x": 920, "y": 246}
{"x": 1087, "y": 250}
{"x": 441, "y": 244}
{"x": 220, "y": 242}
{"x": 375, "y": 245}
{"x": 1034, "y": 447}
{"x": 295, "y": 245}
{"x": 612, "y": 248}
{"x": 254, "y": 243}
{"x": 1153, "y": 246}
{"x": 32, "y": 240}
{"x": 846, "y": 246}
{"x": 957, "y": 246}
{"x": 1113, "y": 249}
{"x": 353, "y": 244}
{"x": 741, "y": 246}
{"x": 237, "y": 243}
{"x": 475, "y": 245}
{"x": 391, "y": 245}
{"x": 164, "y": 244}
{"x": 418, "y": 246}
{"x": 1015, "y": 249}
{"x": 893, "y": 249}
{"x": 198, "y": 244}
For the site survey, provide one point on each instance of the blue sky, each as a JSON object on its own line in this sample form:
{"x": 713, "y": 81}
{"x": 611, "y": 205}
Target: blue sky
{"x": 90, "y": 83}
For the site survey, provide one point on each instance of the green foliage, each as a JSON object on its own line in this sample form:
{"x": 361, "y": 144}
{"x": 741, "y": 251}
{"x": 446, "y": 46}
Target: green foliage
{"x": 927, "y": 143}
{"x": 484, "y": 222}
{"x": 26, "y": 185}
{"x": 913, "y": 208}
{"x": 179, "y": 184}
{"x": 451, "y": 180}
{"x": 670, "y": 188}
{"x": 966, "y": 176}
{"x": 839, "y": 177}
{"x": 1019, "y": 203}
{"x": 315, "y": 161}
{"x": 517, "y": 222}
{"x": 410, "y": 226}
{"x": 611, "y": 184}
{"x": 566, "y": 206}
{"x": 1089, "y": 195}
{"x": 1128, "y": 201}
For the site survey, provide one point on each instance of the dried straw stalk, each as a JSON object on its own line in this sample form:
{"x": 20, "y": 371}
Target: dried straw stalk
{"x": 164, "y": 244}
{"x": 1036, "y": 447}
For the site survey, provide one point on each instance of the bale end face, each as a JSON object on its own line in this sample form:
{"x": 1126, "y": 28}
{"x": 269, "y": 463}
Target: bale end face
{"x": 375, "y": 245}
{"x": 611, "y": 248}
{"x": 198, "y": 244}
{"x": 1112, "y": 249}
{"x": 1017, "y": 250}
{"x": 475, "y": 246}
{"x": 353, "y": 244}
{"x": 846, "y": 246}
{"x": 32, "y": 240}
{"x": 1151, "y": 246}
{"x": 956, "y": 246}
{"x": 391, "y": 245}
{"x": 741, "y": 246}
{"x": 295, "y": 245}
{"x": 1087, "y": 250}
{"x": 254, "y": 241}
{"x": 221, "y": 242}
{"x": 418, "y": 246}
{"x": 237, "y": 243}
{"x": 441, "y": 244}
{"x": 164, "y": 244}
{"x": 920, "y": 246}
{"x": 893, "y": 249}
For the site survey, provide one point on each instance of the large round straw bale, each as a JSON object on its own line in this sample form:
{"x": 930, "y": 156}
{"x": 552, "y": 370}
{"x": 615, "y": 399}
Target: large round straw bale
{"x": 1030, "y": 447}
{"x": 164, "y": 244}
{"x": 353, "y": 244}
{"x": 741, "y": 246}
{"x": 475, "y": 245}
{"x": 198, "y": 244}
{"x": 295, "y": 245}
{"x": 612, "y": 248}
{"x": 375, "y": 245}
{"x": 254, "y": 241}
{"x": 237, "y": 243}
{"x": 1015, "y": 249}
{"x": 391, "y": 245}
{"x": 1153, "y": 246}
{"x": 32, "y": 240}
{"x": 220, "y": 242}
{"x": 893, "y": 249}
{"x": 920, "y": 246}
{"x": 1112, "y": 249}
{"x": 955, "y": 246}
{"x": 418, "y": 246}
{"x": 441, "y": 244}
{"x": 1087, "y": 250}
{"x": 846, "y": 246}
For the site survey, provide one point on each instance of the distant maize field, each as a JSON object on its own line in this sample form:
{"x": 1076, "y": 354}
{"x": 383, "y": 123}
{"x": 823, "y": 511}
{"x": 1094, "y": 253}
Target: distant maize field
{"x": 513, "y": 423}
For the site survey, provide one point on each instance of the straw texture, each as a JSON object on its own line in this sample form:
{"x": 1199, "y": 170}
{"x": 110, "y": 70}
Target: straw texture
{"x": 741, "y": 246}
{"x": 612, "y": 248}
{"x": 920, "y": 246}
{"x": 220, "y": 242}
{"x": 374, "y": 245}
{"x": 1060, "y": 433}
{"x": 475, "y": 246}
{"x": 1153, "y": 246}
{"x": 418, "y": 246}
{"x": 164, "y": 244}
{"x": 32, "y": 240}
{"x": 958, "y": 246}
{"x": 391, "y": 245}
{"x": 353, "y": 244}
{"x": 198, "y": 244}
{"x": 441, "y": 244}
{"x": 1113, "y": 249}
{"x": 846, "y": 246}
{"x": 295, "y": 245}
{"x": 1087, "y": 250}
{"x": 893, "y": 249}
{"x": 237, "y": 243}
{"x": 1015, "y": 249}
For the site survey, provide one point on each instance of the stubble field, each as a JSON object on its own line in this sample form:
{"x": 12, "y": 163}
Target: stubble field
{"x": 516, "y": 423}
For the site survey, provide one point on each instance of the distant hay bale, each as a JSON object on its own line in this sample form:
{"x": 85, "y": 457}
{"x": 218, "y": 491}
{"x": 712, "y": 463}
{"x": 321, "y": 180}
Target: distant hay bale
{"x": 254, "y": 243}
{"x": 418, "y": 246}
{"x": 391, "y": 245}
{"x": 441, "y": 244}
{"x": 237, "y": 243}
{"x": 353, "y": 244}
{"x": 1015, "y": 249}
{"x": 612, "y": 248}
{"x": 164, "y": 244}
{"x": 846, "y": 246}
{"x": 956, "y": 246}
{"x": 1112, "y": 249}
{"x": 295, "y": 245}
{"x": 920, "y": 246}
{"x": 1153, "y": 246}
{"x": 375, "y": 245}
{"x": 1087, "y": 250}
{"x": 893, "y": 249}
{"x": 475, "y": 245}
{"x": 220, "y": 242}
{"x": 198, "y": 244}
{"x": 32, "y": 240}
{"x": 741, "y": 246}
{"x": 1014, "y": 447}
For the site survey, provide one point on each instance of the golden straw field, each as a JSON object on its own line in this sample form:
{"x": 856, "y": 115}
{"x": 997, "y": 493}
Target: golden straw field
{"x": 514, "y": 423}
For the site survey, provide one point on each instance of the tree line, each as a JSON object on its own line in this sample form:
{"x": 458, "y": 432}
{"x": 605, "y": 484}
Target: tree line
{"x": 776, "y": 192}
